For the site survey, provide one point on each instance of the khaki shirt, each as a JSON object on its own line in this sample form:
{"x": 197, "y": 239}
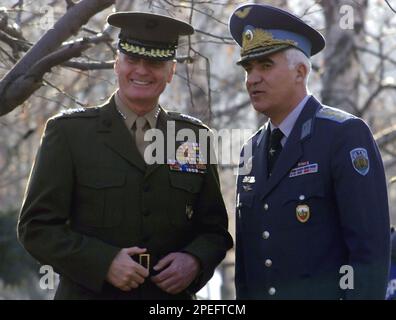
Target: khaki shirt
{"x": 130, "y": 117}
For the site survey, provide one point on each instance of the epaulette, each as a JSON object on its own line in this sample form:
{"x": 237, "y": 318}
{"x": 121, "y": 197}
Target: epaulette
{"x": 187, "y": 118}
{"x": 334, "y": 114}
{"x": 77, "y": 112}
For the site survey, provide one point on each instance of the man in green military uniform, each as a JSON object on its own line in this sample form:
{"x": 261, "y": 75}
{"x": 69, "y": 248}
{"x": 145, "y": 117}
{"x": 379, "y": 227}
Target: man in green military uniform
{"x": 111, "y": 223}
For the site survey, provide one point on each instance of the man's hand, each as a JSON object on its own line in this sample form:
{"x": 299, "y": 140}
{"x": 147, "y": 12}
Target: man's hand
{"x": 124, "y": 273}
{"x": 178, "y": 271}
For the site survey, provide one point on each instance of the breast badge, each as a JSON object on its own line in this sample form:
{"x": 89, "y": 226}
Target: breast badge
{"x": 248, "y": 183}
{"x": 188, "y": 159}
{"x": 304, "y": 168}
{"x": 303, "y": 213}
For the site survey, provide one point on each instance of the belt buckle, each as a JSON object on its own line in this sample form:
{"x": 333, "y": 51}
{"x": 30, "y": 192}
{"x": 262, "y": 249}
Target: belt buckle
{"x": 144, "y": 260}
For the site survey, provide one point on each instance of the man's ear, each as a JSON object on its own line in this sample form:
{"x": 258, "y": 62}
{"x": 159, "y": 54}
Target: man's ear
{"x": 301, "y": 72}
{"x": 116, "y": 63}
{"x": 172, "y": 71}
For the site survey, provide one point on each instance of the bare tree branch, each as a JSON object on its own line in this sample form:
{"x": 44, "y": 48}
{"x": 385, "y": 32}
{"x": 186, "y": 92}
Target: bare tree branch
{"x": 13, "y": 30}
{"x": 31, "y": 80}
{"x": 16, "y": 45}
{"x": 65, "y": 94}
{"x": 232, "y": 110}
{"x": 84, "y": 66}
{"x": 376, "y": 92}
{"x": 11, "y": 58}
{"x": 227, "y": 40}
{"x": 387, "y": 2}
{"x": 385, "y": 136}
{"x": 66, "y": 26}
{"x": 194, "y": 9}
{"x": 377, "y": 54}
{"x": 58, "y": 57}
{"x": 69, "y": 4}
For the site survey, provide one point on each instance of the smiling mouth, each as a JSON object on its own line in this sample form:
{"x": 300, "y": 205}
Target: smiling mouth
{"x": 140, "y": 83}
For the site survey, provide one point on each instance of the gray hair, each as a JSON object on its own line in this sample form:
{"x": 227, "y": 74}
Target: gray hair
{"x": 295, "y": 57}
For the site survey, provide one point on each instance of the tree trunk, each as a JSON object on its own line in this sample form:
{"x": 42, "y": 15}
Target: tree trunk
{"x": 26, "y": 76}
{"x": 341, "y": 77}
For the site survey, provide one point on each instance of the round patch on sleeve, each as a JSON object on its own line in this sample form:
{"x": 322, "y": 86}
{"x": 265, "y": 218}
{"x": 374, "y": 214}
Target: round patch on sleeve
{"x": 360, "y": 160}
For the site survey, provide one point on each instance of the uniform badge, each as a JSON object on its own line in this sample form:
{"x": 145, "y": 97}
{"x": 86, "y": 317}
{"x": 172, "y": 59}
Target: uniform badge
{"x": 249, "y": 179}
{"x": 302, "y": 213}
{"x": 188, "y": 159}
{"x": 248, "y": 182}
{"x": 189, "y": 152}
{"x": 189, "y": 211}
{"x": 360, "y": 160}
{"x": 304, "y": 168}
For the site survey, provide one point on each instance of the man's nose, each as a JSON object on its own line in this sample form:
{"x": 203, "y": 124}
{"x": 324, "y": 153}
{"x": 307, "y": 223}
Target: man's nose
{"x": 142, "y": 67}
{"x": 253, "y": 77}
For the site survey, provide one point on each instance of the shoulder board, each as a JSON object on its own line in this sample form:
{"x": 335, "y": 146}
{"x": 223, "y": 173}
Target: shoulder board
{"x": 78, "y": 112}
{"x": 187, "y": 118}
{"x": 334, "y": 114}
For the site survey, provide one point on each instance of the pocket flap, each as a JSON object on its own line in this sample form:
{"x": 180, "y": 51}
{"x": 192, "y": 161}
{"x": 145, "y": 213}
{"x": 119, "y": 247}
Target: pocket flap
{"x": 190, "y": 182}
{"x": 99, "y": 178}
{"x": 305, "y": 192}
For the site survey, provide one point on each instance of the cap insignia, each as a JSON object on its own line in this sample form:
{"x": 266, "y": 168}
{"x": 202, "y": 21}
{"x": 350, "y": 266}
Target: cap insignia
{"x": 164, "y": 53}
{"x": 255, "y": 38}
{"x": 242, "y": 13}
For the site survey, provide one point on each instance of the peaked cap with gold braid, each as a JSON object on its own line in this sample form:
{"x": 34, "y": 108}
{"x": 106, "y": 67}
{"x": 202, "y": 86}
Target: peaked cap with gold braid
{"x": 261, "y": 30}
{"x": 149, "y": 35}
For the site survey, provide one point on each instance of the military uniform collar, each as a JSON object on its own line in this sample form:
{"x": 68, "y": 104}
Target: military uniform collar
{"x": 130, "y": 117}
{"x": 288, "y": 123}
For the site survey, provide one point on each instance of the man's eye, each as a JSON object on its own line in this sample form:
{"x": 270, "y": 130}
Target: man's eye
{"x": 131, "y": 61}
{"x": 266, "y": 65}
{"x": 156, "y": 63}
{"x": 247, "y": 68}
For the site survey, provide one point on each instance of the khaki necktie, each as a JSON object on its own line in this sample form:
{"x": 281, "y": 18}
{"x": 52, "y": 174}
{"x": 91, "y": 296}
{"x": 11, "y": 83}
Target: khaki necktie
{"x": 141, "y": 127}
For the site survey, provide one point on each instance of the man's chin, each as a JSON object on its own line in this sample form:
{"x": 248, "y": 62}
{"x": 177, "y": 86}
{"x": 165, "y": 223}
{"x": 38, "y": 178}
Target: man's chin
{"x": 259, "y": 107}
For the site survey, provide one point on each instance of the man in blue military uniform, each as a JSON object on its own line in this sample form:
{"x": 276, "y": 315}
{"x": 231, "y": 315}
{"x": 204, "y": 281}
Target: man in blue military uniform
{"x": 312, "y": 210}
{"x": 111, "y": 222}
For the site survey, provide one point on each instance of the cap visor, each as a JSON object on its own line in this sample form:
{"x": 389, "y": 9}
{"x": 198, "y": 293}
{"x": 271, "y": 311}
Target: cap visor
{"x": 262, "y": 53}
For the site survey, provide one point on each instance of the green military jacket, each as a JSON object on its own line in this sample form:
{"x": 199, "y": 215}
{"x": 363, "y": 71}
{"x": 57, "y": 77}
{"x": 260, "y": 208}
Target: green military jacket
{"x": 90, "y": 194}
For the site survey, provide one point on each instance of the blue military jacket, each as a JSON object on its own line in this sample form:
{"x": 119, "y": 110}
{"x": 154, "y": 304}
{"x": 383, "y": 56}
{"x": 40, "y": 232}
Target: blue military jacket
{"x": 324, "y": 207}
